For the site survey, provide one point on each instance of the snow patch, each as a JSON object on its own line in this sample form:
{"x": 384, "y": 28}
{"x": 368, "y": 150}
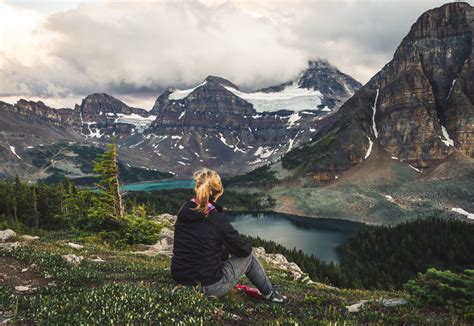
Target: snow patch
{"x": 263, "y": 152}
{"x": 182, "y": 163}
{"x": 234, "y": 147}
{"x": 447, "y": 140}
{"x": 179, "y": 94}
{"x": 12, "y": 148}
{"x": 292, "y": 119}
{"x": 371, "y": 143}
{"x": 451, "y": 88}
{"x": 417, "y": 170}
{"x": 181, "y": 115}
{"x": 223, "y": 140}
{"x": 258, "y": 160}
{"x": 95, "y": 133}
{"x": 374, "y": 109}
{"x": 290, "y": 145}
{"x": 463, "y": 212}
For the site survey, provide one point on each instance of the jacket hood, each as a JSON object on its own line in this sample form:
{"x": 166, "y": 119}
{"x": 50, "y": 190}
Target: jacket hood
{"x": 187, "y": 214}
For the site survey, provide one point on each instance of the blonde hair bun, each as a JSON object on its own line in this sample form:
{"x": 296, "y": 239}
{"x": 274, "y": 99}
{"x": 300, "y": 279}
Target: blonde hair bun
{"x": 208, "y": 183}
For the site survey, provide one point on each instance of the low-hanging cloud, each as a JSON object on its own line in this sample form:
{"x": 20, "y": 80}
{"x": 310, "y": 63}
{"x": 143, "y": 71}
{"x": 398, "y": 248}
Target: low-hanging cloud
{"x": 136, "y": 49}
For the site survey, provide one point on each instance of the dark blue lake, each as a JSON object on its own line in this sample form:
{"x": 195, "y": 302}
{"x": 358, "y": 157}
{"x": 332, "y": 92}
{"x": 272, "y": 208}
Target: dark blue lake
{"x": 317, "y": 236}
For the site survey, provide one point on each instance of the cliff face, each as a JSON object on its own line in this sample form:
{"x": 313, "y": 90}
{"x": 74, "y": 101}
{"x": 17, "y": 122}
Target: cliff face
{"x": 419, "y": 107}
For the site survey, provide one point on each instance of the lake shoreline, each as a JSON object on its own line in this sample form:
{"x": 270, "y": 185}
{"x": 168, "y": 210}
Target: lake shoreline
{"x": 301, "y": 216}
{"x": 319, "y": 237}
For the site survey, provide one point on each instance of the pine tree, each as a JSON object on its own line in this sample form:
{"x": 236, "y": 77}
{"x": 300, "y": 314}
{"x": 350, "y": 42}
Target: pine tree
{"x": 108, "y": 204}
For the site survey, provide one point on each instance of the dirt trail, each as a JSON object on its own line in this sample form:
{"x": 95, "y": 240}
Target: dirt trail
{"x": 14, "y": 273}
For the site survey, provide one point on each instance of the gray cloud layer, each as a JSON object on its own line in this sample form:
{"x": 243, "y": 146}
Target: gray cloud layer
{"x": 138, "y": 48}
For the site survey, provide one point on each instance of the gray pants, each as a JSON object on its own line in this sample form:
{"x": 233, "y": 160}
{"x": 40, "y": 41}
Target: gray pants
{"x": 233, "y": 269}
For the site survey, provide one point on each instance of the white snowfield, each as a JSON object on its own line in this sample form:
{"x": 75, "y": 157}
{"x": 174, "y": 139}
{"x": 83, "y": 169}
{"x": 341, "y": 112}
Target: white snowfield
{"x": 290, "y": 98}
{"x": 141, "y": 123}
{"x": 463, "y": 212}
{"x": 179, "y": 94}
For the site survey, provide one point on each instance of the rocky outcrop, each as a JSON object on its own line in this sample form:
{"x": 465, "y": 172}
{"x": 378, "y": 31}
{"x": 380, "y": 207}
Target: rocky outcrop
{"x": 73, "y": 259}
{"x": 7, "y": 234}
{"x": 392, "y": 302}
{"x": 419, "y": 107}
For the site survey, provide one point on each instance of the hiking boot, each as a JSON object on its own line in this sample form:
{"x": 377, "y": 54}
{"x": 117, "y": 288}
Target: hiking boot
{"x": 276, "y": 297}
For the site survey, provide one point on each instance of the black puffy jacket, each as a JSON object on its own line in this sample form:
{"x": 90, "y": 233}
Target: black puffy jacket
{"x": 202, "y": 243}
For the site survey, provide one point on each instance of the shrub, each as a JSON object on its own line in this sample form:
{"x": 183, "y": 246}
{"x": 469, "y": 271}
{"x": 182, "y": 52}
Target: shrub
{"x": 138, "y": 228}
{"x": 445, "y": 289}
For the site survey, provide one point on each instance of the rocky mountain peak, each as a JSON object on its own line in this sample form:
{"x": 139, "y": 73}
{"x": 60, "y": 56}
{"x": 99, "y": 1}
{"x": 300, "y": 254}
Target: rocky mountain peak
{"x": 449, "y": 19}
{"x": 330, "y": 81}
{"x": 103, "y": 104}
{"x": 216, "y": 81}
{"x": 418, "y": 108}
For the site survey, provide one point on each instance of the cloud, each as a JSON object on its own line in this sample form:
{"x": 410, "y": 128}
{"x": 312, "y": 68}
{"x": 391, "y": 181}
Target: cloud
{"x": 136, "y": 49}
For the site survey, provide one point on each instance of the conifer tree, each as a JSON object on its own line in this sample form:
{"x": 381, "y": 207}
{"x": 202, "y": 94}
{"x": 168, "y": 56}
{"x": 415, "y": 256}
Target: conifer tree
{"x": 109, "y": 203}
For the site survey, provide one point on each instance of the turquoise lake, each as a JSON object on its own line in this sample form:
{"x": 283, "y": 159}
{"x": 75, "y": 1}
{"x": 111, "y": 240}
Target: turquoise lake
{"x": 159, "y": 185}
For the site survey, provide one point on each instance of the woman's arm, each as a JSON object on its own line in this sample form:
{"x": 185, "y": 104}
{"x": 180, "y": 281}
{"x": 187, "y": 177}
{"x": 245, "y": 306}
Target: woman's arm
{"x": 231, "y": 238}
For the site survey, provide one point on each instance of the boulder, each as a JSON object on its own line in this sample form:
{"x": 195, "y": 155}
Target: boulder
{"x": 282, "y": 263}
{"x": 73, "y": 259}
{"x": 96, "y": 259}
{"x": 21, "y": 288}
{"x": 392, "y": 302}
{"x": 27, "y": 237}
{"x": 7, "y": 234}
{"x": 75, "y": 245}
{"x": 166, "y": 219}
{"x": 163, "y": 247}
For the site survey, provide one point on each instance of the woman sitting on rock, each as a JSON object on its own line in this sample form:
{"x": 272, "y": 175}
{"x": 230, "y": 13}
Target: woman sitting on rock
{"x": 203, "y": 240}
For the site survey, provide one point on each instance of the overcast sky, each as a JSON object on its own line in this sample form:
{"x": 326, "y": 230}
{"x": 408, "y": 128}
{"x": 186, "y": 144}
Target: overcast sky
{"x": 60, "y": 51}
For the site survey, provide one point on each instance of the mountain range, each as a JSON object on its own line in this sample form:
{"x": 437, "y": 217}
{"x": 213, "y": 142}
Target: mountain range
{"x": 213, "y": 124}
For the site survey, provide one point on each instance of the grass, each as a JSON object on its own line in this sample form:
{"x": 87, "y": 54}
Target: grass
{"x": 136, "y": 289}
